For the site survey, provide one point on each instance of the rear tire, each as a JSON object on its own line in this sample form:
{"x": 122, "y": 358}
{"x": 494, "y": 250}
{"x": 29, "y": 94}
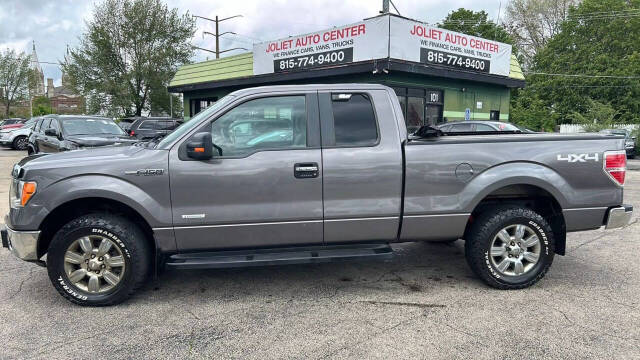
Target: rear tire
{"x": 510, "y": 247}
{"x": 98, "y": 260}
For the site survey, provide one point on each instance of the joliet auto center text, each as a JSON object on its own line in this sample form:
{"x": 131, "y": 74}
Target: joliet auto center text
{"x": 438, "y": 75}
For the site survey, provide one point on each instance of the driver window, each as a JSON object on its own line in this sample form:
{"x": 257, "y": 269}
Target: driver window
{"x": 260, "y": 124}
{"x": 54, "y": 125}
{"x": 45, "y": 125}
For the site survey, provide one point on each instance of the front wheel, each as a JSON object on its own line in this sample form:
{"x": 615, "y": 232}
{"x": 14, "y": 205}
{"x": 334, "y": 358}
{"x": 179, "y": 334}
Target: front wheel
{"x": 98, "y": 259}
{"x": 20, "y": 143}
{"x": 510, "y": 248}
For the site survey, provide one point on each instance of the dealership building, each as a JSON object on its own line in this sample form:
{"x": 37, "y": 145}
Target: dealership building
{"x": 438, "y": 75}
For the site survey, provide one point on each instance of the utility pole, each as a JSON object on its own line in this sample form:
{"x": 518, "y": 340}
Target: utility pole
{"x": 385, "y": 7}
{"x": 217, "y": 35}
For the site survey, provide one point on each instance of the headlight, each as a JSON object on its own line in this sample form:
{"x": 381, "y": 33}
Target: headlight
{"x": 20, "y": 192}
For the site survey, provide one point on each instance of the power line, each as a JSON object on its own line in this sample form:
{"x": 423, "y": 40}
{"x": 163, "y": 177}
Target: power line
{"x": 599, "y": 14}
{"x": 584, "y": 75}
{"x": 534, "y": 86}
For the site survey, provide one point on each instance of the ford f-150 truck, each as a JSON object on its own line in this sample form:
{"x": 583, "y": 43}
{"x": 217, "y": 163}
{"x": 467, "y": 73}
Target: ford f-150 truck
{"x": 308, "y": 173}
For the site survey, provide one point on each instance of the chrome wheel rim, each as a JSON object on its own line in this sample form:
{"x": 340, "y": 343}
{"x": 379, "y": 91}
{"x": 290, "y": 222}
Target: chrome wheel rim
{"x": 515, "y": 250}
{"x": 94, "y": 264}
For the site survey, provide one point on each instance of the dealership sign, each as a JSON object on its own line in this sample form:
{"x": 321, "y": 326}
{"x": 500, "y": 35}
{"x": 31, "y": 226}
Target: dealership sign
{"x": 415, "y": 41}
{"x": 339, "y": 45}
{"x": 378, "y": 38}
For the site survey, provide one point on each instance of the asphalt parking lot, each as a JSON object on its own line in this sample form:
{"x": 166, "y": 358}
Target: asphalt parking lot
{"x": 425, "y": 303}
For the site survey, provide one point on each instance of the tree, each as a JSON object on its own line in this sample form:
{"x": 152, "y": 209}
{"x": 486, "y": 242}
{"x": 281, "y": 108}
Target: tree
{"x": 476, "y": 24}
{"x": 131, "y": 48}
{"x": 532, "y": 23}
{"x": 597, "y": 116}
{"x": 41, "y": 105}
{"x": 594, "y": 56}
{"x": 14, "y": 78}
{"x": 161, "y": 105}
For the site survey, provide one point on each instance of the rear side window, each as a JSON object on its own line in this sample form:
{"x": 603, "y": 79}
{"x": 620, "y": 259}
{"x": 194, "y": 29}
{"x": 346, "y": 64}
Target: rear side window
{"x": 461, "y": 128}
{"x": 146, "y": 125}
{"x": 45, "y": 125}
{"x": 354, "y": 120}
{"x": 166, "y": 125}
{"x": 484, "y": 127}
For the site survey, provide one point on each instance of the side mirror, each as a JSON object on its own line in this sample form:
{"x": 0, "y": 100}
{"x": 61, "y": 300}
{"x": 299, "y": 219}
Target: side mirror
{"x": 200, "y": 146}
{"x": 51, "y": 132}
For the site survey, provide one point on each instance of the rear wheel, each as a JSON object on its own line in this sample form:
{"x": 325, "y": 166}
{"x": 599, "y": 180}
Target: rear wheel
{"x": 98, "y": 259}
{"x": 20, "y": 143}
{"x": 510, "y": 248}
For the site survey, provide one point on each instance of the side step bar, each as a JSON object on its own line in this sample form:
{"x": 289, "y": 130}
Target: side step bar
{"x": 279, "y": 256}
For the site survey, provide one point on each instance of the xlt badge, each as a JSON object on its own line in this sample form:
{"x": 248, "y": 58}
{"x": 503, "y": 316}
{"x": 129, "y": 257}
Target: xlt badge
{"x": 145, "y": 172}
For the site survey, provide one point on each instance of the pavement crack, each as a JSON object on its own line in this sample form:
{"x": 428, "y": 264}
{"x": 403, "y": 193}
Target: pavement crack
{"x": 601, "y": 332}
{"x": 398, "y": 303}
{"x": 588, "y": 242}
{"x": 21, "y": 284}
{"x": 192, "y": 314}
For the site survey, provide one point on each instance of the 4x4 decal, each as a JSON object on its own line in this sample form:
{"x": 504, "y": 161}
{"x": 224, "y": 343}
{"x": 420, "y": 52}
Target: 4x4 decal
{"x": 578, "y": 157}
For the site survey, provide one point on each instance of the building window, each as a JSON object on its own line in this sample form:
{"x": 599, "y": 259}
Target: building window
{"x": 415, "y": 113}
{"x": 197, "y": 105}
{"x": 420, "y": 107}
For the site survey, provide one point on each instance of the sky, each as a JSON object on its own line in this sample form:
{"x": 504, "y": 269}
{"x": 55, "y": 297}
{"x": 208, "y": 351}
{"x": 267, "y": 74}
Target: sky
{"x": 54, "y": 24}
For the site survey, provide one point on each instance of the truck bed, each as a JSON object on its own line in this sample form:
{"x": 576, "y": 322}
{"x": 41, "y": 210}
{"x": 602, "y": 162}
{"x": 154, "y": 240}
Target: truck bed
{"x": 446, "y": 177}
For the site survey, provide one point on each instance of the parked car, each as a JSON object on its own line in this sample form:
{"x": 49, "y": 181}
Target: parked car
{"x": 125, "y": 124}
{"x": 629, "y": 140}
{"x": 478, "y": 126}
{"x": 55, "y": 133}
{"x": 12, "y": 123}
{"x": 17, "y": 139}
{"x": 145, "y": 128}
{"x": 336, "y": 177}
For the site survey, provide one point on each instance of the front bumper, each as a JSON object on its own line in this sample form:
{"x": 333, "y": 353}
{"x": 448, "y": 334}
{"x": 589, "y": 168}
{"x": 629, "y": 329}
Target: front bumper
{"x": 23, "y": 244}
{"x": 5, "y": 140}
{"x": 619, "y": 216}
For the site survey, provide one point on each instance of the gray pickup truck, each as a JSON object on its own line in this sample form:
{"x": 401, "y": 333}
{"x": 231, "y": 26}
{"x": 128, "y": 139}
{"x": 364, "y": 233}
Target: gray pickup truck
{"x": 311, "y": 173}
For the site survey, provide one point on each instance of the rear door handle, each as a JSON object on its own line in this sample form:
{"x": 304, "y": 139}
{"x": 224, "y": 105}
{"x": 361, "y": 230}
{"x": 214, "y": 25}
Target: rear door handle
{"x": 305, "y": 170}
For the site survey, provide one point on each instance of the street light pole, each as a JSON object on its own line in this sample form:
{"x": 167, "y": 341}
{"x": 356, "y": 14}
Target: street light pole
{"x": 217, "y": 35}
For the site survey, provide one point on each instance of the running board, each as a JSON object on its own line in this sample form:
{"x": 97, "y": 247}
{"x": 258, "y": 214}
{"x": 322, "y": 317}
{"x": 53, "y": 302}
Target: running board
{"x": 279, "y": 256}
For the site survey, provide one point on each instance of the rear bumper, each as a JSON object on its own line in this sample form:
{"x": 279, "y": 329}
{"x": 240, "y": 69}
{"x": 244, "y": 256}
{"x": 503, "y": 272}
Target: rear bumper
{"x": 619, "y": 216}
{"x": 23, "y": 244}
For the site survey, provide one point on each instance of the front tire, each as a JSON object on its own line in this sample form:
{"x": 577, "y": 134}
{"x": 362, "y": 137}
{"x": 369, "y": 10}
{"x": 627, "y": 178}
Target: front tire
{"x": 98, "y": 260}
{"x": 510, "y": 248}
{"x": 20, "y": 143}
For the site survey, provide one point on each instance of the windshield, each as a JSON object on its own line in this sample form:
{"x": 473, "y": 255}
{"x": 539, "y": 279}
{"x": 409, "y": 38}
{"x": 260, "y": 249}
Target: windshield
{"x": 91, "y": 127}
{"x": 188, "y": 125}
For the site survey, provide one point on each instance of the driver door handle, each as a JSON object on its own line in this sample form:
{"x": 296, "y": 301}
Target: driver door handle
{"x": 305, "y": 170}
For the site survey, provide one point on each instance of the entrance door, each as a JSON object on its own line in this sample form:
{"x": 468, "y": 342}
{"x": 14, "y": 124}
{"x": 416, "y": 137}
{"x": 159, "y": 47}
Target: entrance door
{"x": 433, "y": 114}
{"x": 433, "y": 107}
{"x": 265, "y": 189}
{"x": 362, "y": 170}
